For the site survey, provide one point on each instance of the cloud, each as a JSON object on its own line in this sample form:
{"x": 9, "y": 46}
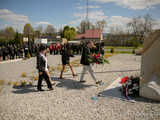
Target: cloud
{"x": 12, "y": 19}
{"x": 90, "y": 6}
{"x": 132, "y": 4}
{"x": 119, "y": 22}
{"x": 93, "y": 15}
{"x": 73, "y": 22}
{"x": 43, "y": 23}
{"x": 157, "y": 24}
{"x": 10, "y": 16}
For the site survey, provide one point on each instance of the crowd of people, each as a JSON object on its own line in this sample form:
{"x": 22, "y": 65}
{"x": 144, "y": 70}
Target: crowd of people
{"x": 10, "y": 52}
{"x": 66, "y": 50}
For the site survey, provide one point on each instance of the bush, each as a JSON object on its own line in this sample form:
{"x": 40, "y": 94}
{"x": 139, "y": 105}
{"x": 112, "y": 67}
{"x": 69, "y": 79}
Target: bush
{"x": 9, "y": 83}
{"x": 16, "y": 84}
{"x": 51, "y": 69}
{"x": 133, "y": 51}
{"x": 30, "y": 83}
{"x": 1, "y": 90}
{"x": 28, "y": 55}
{"x": 35, "y": 78}
{"x": 23, "y": 83}
{"x": 107, "y": 55}
{"x": 2, "y": 82}
{"x": 24, "y": 74}
{"x": 112, "y": 50}
{"x": 135, "y": 42}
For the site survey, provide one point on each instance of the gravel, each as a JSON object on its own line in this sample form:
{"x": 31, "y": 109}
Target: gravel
{"x": 71, "y": 100}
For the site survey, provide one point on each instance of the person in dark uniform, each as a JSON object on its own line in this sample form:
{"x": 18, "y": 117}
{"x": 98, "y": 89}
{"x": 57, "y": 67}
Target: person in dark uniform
{"x": 102, "y": 51}
{"x": 66, "y": 54}
{"x": 42, "y": 67}
{"x": 1, "y": 54}
{"x": 5, "y": 53}
{"x": 12, "y": 51}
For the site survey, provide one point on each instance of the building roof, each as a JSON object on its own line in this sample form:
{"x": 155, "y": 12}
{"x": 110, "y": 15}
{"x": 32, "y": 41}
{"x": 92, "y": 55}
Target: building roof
{"x": 94, "y": 34}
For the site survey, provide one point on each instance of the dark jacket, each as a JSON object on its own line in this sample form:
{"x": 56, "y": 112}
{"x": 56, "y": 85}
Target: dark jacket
{"x": 66, "y": 54}
{"x": 41, "y": 63}
{"x": 85, "y": 56}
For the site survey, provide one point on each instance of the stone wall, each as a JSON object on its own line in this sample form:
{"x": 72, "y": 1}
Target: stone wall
{"x": 150, "y": 69}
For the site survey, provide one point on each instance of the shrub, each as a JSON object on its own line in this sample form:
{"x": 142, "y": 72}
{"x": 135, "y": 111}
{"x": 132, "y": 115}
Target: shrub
{"x": 76, "y": 63}
{"x": 107, "y": 55}
{"x": 16, "y": 84}
{"x": 1, "y": 90}
{"x": 9, "y": 83}
{"x": 23, "y": 83}
{"x": 35, "y": 78}
{"x": 112, "y": 50}
{"x": 30, "y": 83}
{"x": 28, "y": 55}
{"x": 2, "y": 82}
{"x": 24, "y": 74}
{"x": 51, "y": 69}
{"x": 133, "y": 51}
{"x": 59, "y": 68}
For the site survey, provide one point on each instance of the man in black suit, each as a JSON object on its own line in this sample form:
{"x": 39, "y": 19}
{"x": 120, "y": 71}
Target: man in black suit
{"x": 86, "y": 54}
{"x": 42, "y": 67}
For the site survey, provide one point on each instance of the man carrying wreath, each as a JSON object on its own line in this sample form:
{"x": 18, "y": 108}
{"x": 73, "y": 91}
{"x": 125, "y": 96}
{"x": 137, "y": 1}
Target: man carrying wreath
{"x": 86, "y": 54}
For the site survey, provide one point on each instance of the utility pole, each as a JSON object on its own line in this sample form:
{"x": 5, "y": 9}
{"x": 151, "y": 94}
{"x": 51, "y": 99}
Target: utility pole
{"x": 87, "y": 13}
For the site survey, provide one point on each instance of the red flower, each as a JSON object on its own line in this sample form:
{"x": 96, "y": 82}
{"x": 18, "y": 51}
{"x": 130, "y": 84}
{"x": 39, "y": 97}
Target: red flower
{"x": 124, "y": 80}
{"x": 98, "y": 55}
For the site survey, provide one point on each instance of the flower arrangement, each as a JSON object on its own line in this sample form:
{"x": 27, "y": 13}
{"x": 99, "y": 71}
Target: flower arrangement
{"x": 130, "y": 86}
{"x": 98, "y": 59}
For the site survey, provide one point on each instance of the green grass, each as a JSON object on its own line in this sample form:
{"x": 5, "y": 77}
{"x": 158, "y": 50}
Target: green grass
{"x": 121, "y": 47}
{"x": 120, "y": 52}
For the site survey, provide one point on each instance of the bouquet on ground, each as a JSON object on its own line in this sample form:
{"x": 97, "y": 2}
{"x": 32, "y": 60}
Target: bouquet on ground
{"x": 130, "y": 86}
{"x": 98, "y": 59}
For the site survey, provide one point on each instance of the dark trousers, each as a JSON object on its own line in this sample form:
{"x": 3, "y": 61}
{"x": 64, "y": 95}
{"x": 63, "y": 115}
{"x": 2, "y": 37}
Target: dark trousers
{"x": 46, "y": 78}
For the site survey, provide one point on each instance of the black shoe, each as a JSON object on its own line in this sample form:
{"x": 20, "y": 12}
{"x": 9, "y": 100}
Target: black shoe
{"x": 41, "y": 90}
{"x": 82, "y": 81}
{"x": 99, "y": 82}
{"x": 50, "y": 89}
{"x": 61, "y": 77}
{"x": 75, "y": 75}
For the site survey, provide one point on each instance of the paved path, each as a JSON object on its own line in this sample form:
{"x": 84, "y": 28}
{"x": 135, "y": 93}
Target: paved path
{"x": 71, "y": 100}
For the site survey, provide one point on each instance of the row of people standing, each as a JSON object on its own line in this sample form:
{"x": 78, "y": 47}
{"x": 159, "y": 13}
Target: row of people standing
{"x": 75, "y": 48}
{"x": 11, "y": 52}
{"x": 21, "y": 51}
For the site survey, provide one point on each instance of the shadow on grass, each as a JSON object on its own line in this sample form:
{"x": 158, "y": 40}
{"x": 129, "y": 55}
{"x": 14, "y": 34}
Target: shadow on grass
{"x": 24, "y": 89}
{"x": 115, "y": 93}
{"x": 66, "y": 83}
{"x": 70, "y": 84}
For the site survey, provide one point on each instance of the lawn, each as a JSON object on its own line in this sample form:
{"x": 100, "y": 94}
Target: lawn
{"x": 120, "y": 52}
{"x": 121, "y": 47}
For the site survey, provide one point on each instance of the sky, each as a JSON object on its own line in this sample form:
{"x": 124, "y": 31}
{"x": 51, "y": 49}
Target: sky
{"x": 17, "y": 13}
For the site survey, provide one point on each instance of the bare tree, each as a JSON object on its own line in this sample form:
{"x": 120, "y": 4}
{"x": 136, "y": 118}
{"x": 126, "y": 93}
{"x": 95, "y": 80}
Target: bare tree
{"x": 50, "y": 30}
{"x": 142, "y": 25}
{"x": 9, "y": 33}
{"x": 84, "y": 25}
{"x": 101, "y": 25}
{"x": 40, "y": 28}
